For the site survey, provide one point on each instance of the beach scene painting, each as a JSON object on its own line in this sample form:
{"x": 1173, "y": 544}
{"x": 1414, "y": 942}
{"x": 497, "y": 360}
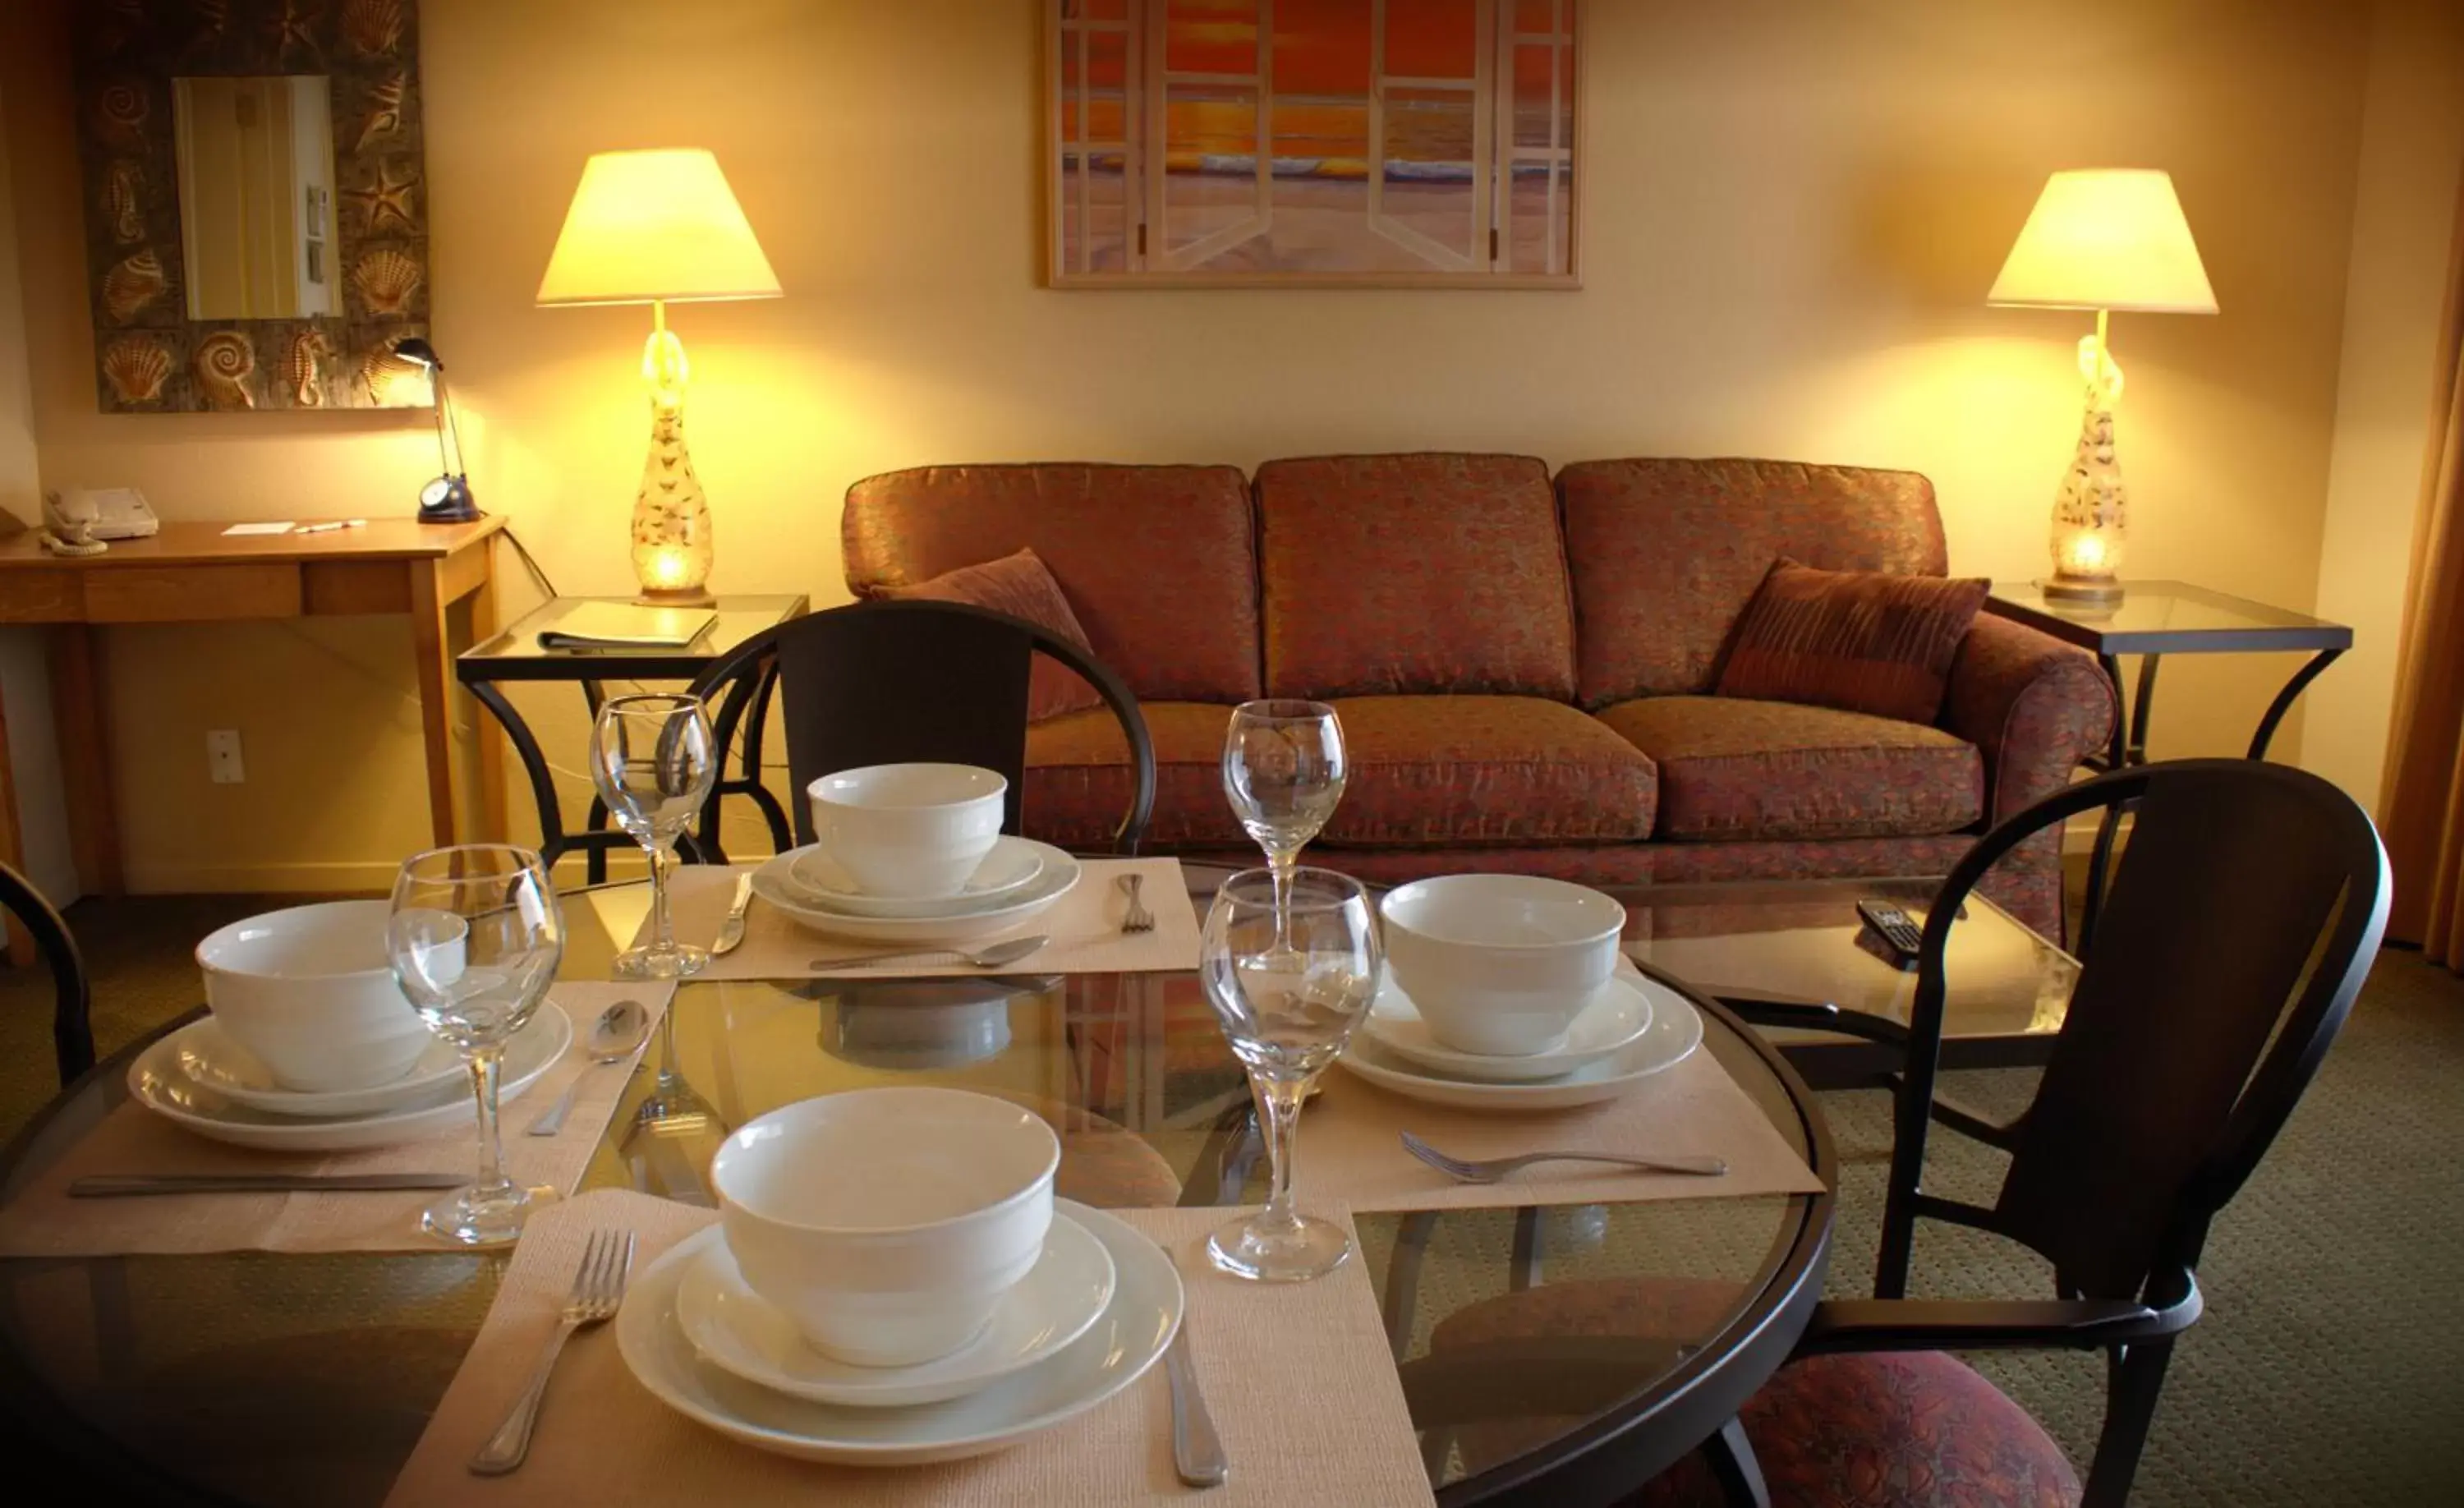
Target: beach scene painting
{"x": 1280, "y": 142}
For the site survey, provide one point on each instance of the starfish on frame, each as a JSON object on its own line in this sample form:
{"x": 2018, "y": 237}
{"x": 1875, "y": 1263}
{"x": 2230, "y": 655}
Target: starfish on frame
{"x": 387, "y": 200}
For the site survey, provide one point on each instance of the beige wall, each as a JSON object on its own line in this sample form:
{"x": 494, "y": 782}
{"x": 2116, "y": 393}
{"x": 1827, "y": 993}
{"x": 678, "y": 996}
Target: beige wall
{"x": 1792, "y": 212}
{"x": 2404, "y": 214}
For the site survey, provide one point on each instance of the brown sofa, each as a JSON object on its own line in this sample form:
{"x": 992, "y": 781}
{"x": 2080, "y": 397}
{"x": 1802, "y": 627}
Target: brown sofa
{"x": 1522, "y": 666}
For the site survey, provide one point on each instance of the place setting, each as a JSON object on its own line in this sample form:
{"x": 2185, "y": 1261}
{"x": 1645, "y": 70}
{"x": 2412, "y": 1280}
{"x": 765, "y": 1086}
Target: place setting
{"x": 349, "y": 1068}
{"x": 892, "y": 1305}
{"x": 912, "y": 876}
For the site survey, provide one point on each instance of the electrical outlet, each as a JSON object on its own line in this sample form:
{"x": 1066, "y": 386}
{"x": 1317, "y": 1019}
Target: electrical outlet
{"x": 222, "y": 757}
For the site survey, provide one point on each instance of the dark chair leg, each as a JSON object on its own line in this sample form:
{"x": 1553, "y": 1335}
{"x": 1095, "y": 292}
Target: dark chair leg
{"x": 1526, "y": 1271}
{"x": 1403, "y": 1277}
{"x": 2133, "y": 1382}
{"x": 1730, "y": 1456}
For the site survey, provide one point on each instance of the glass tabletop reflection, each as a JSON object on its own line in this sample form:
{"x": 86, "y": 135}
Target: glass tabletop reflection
{"x": 280, "y": 1379}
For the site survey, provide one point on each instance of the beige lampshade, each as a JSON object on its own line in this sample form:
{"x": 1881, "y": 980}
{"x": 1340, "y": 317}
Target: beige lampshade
{"x": 2106, "y": 238}
{"x": 647, "y": 226}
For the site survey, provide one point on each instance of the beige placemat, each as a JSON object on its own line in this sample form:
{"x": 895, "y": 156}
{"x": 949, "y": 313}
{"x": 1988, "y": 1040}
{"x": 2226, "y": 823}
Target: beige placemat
{"x": 1297, "y": 1377}
{"x": 1351, "y": 1151}
{"x": 44, "y": 1221}
{"x": 1085, "y": 929}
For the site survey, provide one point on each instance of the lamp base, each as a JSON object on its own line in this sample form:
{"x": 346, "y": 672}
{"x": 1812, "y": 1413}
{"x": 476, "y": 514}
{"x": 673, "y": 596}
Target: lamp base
{"x": 2080, "y": 589}
{"x": 676, "y": 597}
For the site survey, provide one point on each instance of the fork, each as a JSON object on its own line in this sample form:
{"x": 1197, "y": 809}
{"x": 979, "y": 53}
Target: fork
{"x": 1496, "y": 1168}
{"x": 598, "y": 1289}
{"x": 1138, "y": 919}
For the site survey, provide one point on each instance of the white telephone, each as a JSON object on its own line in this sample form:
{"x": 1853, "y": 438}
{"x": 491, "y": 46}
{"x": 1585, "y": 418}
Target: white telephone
{"x": 78, "y": 521}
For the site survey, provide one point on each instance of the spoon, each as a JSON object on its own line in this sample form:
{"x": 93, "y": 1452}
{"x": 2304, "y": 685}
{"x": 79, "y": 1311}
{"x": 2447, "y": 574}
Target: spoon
{"x": 993, "y": 957}
{"x": 616, "y": 1036}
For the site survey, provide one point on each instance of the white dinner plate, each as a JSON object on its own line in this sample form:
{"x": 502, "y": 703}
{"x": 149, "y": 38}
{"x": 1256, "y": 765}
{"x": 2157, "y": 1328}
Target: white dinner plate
{"x": 1674, "y": 1033}
{"x": 741, "y": 1332}
{"x": 820, "y": 881}
{"x": 1127, "y": 1337}
{"x": 214, "y": 1058}
{"x": 1619, "y": 1013}
{"x": 774, "y": 884}
{"x": 156, "y": 1082}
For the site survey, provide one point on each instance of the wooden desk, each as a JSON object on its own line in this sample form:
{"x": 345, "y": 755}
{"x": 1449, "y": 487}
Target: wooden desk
{"x": 195, "y": 573}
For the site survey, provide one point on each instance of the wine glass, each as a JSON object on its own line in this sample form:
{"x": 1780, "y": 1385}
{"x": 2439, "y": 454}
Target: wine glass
{"x": 1284, "y": 769}
{"x": 475, "y": 937}
{"x": 655, "y": 759}
{"x": 1291, "y": 963}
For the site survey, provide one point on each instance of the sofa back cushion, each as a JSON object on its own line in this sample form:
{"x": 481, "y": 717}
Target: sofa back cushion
{"x": 1157, "y": 562}
{"x": 1399, "y": 575}
{"x": 1666, "y": 553}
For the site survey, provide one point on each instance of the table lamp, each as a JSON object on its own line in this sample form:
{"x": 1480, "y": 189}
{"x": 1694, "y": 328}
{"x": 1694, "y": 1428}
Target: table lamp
{"x": 660, "y": 227}
{"x": 2101, "y": 238}
{"x": 447, "y": 498}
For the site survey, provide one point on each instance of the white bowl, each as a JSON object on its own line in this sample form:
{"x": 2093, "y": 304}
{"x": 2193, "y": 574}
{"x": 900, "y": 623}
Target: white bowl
{"x": 1499, "y": 964}
{"x": 309, "y": 994}
{"x": 888, "y": 1223}
{"x": 908, "y": 832}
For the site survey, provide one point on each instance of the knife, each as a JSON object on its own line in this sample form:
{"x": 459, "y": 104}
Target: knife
{"x": 1196, "y": 1450}
{"x": 122, "y": 1185}
{"x": 732, "y": 930}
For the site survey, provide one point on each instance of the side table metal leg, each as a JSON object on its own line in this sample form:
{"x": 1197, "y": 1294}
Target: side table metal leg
{"x": 1732, "y": 1458}
{"x": 526, "y": 748}
{"x": 2128, "y": 736}
{"x": 2285, "y": 699}
{"x": 595, "y": 871}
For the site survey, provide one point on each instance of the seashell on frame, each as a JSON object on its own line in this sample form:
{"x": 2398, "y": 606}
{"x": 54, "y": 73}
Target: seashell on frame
{"x": 384, "y": 110}
{"x": 137, "y": 366}
{"x": 121, "y": 111}
{"x": 388, "y": 281}
{"x": 395, "y": 381}
{"x": 373, "y": 27}
{"x": 134, "y": 283}
{"x": 223, "y": 363}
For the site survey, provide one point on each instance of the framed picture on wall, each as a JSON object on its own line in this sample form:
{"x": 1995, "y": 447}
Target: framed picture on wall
{"x": 1311, "y": 143}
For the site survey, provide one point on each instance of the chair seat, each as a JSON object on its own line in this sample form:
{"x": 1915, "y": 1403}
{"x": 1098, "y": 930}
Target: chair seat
{"x": 1443, "y": 772}
{"x": 1732, "y": 769}
{"x": 1909, "y": 1430}
{"x": 1079, "y": 779}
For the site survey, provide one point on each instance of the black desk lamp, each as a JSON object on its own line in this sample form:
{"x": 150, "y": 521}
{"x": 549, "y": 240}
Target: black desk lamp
{"x": 446, "y": 500}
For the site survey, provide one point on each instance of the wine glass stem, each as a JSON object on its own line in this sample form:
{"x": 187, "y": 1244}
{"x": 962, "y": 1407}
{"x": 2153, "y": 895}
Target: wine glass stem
{"x": 1280, "y": 1101}
{"x": 663, "y": 935}
{"x": 1280, "y": 862}
{"x": 485, "y": 1064}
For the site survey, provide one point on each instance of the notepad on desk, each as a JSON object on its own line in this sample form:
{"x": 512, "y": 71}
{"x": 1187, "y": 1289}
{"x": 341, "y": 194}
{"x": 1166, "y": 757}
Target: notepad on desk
{"x": 622, "y": 626}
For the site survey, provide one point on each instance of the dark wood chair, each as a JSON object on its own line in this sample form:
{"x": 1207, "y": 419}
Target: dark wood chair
{"x": 879, "y": 682}
{"x": 73, "y": 994}
{"x": 2242, "y": 919}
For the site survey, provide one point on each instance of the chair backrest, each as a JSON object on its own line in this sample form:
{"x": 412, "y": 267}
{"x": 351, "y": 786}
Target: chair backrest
{"x": 73, "y": 994}
{"x": 881, "y": 683}
{"x": 2244, "y": 915}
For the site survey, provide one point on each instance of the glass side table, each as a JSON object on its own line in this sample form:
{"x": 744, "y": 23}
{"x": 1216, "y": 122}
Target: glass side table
{"x": 518, "y": 655}
{"x": 2152, "y": 620}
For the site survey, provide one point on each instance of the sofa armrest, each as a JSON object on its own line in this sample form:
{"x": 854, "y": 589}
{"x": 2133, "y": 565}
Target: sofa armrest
{"x": 2034, "y": 706}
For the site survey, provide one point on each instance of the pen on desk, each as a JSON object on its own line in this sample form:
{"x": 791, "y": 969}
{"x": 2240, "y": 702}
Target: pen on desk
{"x": 340, "y": 523}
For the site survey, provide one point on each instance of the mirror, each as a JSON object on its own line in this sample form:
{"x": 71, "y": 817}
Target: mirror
{"x": 256, "y": 190}
{"x": 255, "y": 203}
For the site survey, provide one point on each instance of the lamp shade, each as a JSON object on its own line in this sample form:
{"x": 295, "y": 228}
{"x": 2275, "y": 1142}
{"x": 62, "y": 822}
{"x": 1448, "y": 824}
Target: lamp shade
{"x": 2106, "y": 238}
{"x": 653, "y": 226}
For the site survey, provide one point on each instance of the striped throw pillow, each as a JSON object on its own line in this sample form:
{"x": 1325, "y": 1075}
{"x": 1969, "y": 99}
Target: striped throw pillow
{"x": 1858, "y": 641}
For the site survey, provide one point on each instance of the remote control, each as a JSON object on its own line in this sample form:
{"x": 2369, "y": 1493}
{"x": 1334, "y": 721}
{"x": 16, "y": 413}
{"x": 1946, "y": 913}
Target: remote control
{"x": 1893, "y": 926}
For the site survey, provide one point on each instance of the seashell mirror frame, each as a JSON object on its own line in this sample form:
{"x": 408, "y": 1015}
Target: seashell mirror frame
{"x": 150, "y": 357}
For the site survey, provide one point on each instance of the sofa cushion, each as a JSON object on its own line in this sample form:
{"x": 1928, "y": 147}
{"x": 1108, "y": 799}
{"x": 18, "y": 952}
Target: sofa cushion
{"x": 1666, "y": 553}
{"x": 1156, "y": 561}
{"x": 1390, "y": 574}
{"x": 1447, "y": 771}
{"x": 1018, "y": 585}
{"x": 1858, "y": 641}
{"x": 1078, "y": 782}
{"x": 1732, "y": 769}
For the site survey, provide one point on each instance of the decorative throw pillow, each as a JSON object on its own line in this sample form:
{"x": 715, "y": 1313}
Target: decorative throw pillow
{"x": 1022, "y": 586}
{"x": 1856, "y": 641}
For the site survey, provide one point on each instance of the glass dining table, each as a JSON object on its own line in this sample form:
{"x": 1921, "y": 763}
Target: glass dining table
{"x": 264, "y": 1378}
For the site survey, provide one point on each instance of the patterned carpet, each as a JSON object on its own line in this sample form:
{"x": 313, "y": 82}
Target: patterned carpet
{"x": 2326, "y": 1371}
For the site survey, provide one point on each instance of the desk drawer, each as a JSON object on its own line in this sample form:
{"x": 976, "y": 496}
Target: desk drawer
{"x": 41, "y": 597}
{"x": 187, "y": 594}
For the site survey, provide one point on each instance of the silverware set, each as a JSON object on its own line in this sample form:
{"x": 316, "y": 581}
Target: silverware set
{"x": 598, "y": 1291}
